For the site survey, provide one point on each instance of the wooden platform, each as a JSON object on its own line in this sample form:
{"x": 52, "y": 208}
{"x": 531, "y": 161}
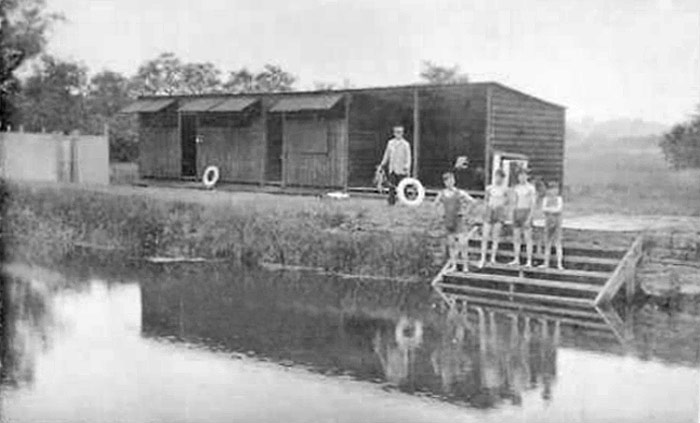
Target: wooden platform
{"x": 592, "y": 276}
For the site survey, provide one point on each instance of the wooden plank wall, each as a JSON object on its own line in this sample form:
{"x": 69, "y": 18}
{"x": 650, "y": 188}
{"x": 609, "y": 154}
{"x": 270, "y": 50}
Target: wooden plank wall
{"x": 307, "y": 165}
{"x": 159, "y": 145}
{"x": 522, "y": 124}
{"x": 236, "y": 147}
{"x": 452, "y": 124}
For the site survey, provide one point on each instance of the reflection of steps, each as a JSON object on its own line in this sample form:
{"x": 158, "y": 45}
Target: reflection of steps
{"x": 583, "y": 316}
{"x": 593, "y": 275}
{"x": 601, "y": 324}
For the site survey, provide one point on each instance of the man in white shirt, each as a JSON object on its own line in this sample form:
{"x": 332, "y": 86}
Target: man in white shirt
{"x": 397, "y": 158}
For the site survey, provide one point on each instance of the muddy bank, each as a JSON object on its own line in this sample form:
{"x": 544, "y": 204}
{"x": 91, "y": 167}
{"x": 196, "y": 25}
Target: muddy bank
{"x": 670, "y": 270}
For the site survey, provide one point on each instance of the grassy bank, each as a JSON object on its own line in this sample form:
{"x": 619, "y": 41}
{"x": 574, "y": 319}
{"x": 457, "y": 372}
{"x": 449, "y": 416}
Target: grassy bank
{"x": 47, "y": 223}
{"x": 628, "y": 179}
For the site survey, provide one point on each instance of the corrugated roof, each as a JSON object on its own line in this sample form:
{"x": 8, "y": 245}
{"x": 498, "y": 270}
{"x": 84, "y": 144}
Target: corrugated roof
{"x": 307, "y": 102}
{"x": 148, "y": 105}
{"x": 236, "y": 104}
{"x": 199, "y": 104}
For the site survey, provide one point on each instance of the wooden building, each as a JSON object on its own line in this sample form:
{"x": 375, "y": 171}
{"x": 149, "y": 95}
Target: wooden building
{"x": 335, "y": 139}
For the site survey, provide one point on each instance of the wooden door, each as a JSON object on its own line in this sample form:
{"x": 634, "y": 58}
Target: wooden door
{"x": 314, "y": 152}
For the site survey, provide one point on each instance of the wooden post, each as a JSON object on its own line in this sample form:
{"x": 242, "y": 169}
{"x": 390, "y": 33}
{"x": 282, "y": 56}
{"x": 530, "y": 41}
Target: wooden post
{"x": 416, "y": 131}
{"x": 263, "y": 165}
{"x": 284, "y": 155}
{"x": 346, "y": 134}
{"x": 487, "y": 140}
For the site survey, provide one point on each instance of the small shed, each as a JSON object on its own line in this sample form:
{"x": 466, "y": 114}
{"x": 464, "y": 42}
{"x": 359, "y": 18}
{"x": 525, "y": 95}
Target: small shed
{"x": 334, "y": 139}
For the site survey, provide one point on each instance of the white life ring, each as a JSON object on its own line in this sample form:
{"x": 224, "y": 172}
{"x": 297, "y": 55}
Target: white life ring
{"x": 415, "y": 339}
{"x": 415, "y": 185}
{"x": 210, "y": 176}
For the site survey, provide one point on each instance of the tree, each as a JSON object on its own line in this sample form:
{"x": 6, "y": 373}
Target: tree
{"x": 53, "y": 96}
{"x": 270, "y": 79}
{"x": 23, "y": 28}
{"x": 108, "y": 94}
{"x": 435, "y": 74}
{"x": 168, "y": 75}
{"x": 681, "y": 145}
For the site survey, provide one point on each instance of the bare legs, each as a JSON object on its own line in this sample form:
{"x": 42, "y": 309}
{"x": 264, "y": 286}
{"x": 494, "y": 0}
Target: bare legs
{"x": 518, "y": 233}
{"x": 493, "y": 232}
{"x": 548, "y": 252}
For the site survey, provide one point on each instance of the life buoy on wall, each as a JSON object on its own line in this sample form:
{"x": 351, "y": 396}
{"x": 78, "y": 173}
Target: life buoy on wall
{"x": 405, "y": 340}
{"x": 210, "y": 176}
{"x": 416, "y": 190}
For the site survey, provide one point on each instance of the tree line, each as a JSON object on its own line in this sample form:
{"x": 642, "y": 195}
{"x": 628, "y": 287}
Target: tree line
{"x": 61, "y": 95}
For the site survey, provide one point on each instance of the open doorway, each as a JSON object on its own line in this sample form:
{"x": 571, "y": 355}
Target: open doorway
{"x": 188, "y": 139}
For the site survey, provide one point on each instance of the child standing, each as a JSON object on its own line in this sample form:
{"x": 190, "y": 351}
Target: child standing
{"x": 451, "y": 199}
{"x": 552, "y": 206}
{"x": 496, "y": 201}
{"x": 525, "y": 201}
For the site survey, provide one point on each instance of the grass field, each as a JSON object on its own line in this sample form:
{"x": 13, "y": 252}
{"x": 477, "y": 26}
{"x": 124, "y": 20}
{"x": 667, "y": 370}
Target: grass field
{"x": 629, "y": 179}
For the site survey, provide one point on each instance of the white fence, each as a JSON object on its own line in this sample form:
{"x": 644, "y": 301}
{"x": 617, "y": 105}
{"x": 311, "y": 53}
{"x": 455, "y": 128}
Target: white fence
{"x": 53, "y": 157}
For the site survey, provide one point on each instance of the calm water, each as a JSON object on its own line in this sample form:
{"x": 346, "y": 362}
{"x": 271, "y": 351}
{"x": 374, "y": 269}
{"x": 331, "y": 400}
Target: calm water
{"x": 217, "y": 344}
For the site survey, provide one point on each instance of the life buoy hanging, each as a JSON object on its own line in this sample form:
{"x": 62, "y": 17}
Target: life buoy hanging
{"x": 210, "y": 176}
{"x": 410, "y": 192}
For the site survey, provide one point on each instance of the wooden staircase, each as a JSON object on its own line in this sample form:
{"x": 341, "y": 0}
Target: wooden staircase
{"x": 592, "y": 275}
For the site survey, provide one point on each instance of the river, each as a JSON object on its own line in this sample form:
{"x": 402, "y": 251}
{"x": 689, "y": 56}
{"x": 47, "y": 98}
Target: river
{"x": 214, "y": 343}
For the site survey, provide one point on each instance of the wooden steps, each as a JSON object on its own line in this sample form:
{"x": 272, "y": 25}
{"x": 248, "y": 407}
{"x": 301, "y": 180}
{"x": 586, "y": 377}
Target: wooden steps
{"x": 570, "y": 248}
{"x": 590, "y": 277}
{"x": 575, "y": 262}
{"x": 566, "y": 274}
{"x": 509, "y": 280}
{"x": 540, "y": 298}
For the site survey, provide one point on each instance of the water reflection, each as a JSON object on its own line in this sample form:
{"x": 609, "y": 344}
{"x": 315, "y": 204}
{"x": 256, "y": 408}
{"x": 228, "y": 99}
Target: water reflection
{"x": 128, "y": 340}
{"x": 27, "y": 325}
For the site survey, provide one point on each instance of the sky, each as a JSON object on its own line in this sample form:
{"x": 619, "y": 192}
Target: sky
{"x": 602, "y": 59}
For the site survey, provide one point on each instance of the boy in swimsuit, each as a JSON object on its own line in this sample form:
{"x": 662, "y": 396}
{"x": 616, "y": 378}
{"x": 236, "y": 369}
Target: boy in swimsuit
{"x": 496, "y": 201}
{"x": 451, "y": 199}
{"x": 552, "y": 207}
{"x": 525, "y": 201}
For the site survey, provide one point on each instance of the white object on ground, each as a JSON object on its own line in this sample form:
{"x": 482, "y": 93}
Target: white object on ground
{"x": 176, "y": 259}
{"x": 210, "y": 176}
{"x": 416, "y": 185}
{"x": 338, "y": 195}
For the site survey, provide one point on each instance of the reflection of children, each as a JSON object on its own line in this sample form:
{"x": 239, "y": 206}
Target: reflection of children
{"x": 496, "y": 202}
{"x": 451, "y": 199}
{"x": 552, "y": 207}
{"x": 525, "y": 201}
{"x": 451, "y": 361}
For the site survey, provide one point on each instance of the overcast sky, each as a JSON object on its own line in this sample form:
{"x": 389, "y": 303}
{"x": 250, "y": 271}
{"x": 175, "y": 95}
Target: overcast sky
{"x": 600, "y": 58}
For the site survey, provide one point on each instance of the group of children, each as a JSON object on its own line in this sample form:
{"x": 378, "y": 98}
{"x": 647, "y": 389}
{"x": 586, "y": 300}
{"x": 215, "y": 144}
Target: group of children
{"x": 501, "y": 202}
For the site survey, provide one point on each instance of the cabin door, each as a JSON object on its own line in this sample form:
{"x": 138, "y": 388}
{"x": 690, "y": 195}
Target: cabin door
{"x": 311, "y": 155}
{"x": 188, "y": 134}
{"x": 509, "y": 164}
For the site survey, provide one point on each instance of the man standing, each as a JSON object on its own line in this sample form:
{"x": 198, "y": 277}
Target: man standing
{"x": 397, "y": 158}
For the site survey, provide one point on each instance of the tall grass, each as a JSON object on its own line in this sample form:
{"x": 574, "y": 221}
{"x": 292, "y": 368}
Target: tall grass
{"x": 629, "y": 179}
{"x": 47, "y": 223}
